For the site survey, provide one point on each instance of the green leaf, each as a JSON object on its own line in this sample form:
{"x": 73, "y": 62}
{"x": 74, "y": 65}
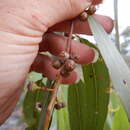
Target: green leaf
{"x": 62, "y": 115}
{"x": 118, "y": 69}
{"x": 88, "y": 101}
{"x": 119, "y": 117}
{"x": 120, "y": 121}
{"x": 106, "y": 126}
{"x": 31, "y": 113}
{"x": 114, "y": 101}
{"x": 28, "y": 108}
{"x": 34, "y": 76}
{"x": 108, "y": 123}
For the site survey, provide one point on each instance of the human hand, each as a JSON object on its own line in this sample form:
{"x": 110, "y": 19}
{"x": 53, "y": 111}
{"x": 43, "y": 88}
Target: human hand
{"x": 22, "y": 28}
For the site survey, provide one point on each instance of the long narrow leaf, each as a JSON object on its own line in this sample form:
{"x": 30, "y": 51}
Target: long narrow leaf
{"x": 62, "y": 115}
{"x": 120, "y": 121}
{"x": 119, "y": 71}
{"x": 88, "y": 100}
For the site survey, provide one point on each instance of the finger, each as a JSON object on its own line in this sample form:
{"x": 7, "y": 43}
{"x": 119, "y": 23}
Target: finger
{"x": 43, "y": 64}
{"x": 82, "y": 27}
{"x": 55, "y": 44}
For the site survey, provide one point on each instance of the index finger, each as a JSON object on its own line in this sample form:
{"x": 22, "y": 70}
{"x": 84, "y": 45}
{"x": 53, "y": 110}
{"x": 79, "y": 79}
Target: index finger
{"x": 82, "y": 27}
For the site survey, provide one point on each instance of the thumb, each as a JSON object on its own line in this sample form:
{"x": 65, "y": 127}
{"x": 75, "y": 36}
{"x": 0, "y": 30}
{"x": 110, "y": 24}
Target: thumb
{"x": 56, "y": 11}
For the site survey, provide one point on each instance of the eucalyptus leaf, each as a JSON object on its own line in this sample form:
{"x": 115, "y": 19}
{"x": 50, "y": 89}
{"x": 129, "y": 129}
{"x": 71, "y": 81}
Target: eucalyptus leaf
{"x": 118, "y": 69}
{"x": 28, "y": 108}
{"x": 62, "y": 115}
{"x": 106, "y": 126}
{"x": 88, "y": 100}
{"x": 34, "y": 76}
{"x": 120, "y": 121}
{"x": 30, "y": 111}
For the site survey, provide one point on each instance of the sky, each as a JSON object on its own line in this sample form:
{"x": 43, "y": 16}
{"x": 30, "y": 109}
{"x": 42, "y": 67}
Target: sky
{"x": 123, "y": 11}
{"x": 107, "y": 8}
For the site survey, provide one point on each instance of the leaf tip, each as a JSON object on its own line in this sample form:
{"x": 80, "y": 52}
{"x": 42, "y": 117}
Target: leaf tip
{"x": 96, "y": 56}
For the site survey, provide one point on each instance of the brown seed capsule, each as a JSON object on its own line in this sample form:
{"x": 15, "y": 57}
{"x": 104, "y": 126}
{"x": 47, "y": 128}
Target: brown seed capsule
{"x": 69, "y": 65}
{"x": 59, "y": 105}
{"x": 57, "y": 64}
{"x": 64, "y": 55}
{"x": 62, "y": 61}
{"x": 83, "y": 16}
{"x": 91, "y": 10}
{"x": 64, "y": 73}
{"x": 74, "y": 57}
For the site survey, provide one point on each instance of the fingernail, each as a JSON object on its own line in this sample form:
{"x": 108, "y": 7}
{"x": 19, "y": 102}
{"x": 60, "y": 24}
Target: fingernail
{"x": 96, "y": 55}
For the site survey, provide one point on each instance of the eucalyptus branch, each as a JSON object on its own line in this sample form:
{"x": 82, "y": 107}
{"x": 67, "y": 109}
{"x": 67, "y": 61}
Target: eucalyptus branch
{"x": 46, "y": 100}
{"x": 65, "y": 65}
{"x": 117, "y": 39}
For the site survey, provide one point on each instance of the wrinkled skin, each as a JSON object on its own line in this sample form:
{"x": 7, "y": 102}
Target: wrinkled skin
{"x": 22, "y": 27}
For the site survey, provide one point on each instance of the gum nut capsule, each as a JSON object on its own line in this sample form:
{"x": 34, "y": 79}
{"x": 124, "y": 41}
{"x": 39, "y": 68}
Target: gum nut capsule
{"x": 91, "y": 10}
{"x": 74, "y": 57}
{"x": 56, "y": 64}
{"x": 58, "y": 106}
{"x": 64, "y": 73}
{"x": 69, "y": 65}
{"x": 64, "y": 55}
{"x": 62, "y": 61}
{"x": 83, "y": 16}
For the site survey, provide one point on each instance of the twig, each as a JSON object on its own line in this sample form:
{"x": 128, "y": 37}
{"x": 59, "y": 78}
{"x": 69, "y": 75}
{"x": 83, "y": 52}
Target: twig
{"x": 45, "y": 106}
{"x": 68, "y": 46}
{"x": 52, "y": 102}
{"x": 117, "y": 39}
{"x": 48, "y": 104}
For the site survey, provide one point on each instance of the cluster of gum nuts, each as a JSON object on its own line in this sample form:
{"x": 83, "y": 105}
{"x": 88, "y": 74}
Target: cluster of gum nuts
{"x": 66, "y": 63}
{"x": 89, "y": 11}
